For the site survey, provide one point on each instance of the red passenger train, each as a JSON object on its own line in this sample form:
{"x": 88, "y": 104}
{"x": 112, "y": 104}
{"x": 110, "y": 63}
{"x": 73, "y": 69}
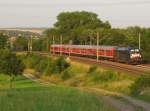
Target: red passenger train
{"x": 121, "y": 54}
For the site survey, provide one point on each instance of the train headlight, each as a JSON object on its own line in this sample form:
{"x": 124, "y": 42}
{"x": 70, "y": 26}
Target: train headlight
{"x": 135, "y": 56}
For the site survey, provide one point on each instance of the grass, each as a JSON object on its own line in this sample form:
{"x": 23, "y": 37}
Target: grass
{"x": 120, "y": 82}
{"x": 79, "y": 76}
{"x": 145, "y": 96}
{"x": 19, "y": 82}
{"x": 27, "y": 95}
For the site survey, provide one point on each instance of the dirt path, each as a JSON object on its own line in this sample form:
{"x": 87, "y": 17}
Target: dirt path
{"x": 123, "y": 102}
{"x": 33, "y": 78}
{"x": 119, "y": 105}
{"x": 119, "y": 101}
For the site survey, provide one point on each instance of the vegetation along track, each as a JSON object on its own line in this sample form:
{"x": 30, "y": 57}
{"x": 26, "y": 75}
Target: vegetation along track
{"x": 134, "y": 69}
{"x": 120, "y": 67}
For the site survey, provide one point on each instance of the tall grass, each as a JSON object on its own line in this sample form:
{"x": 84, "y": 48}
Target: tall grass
{"x": 141, "y": 85}
{"x": 94, "y": 76}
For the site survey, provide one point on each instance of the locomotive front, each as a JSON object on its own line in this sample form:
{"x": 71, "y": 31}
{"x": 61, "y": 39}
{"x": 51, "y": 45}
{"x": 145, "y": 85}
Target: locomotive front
{"x": 135, "y": 56}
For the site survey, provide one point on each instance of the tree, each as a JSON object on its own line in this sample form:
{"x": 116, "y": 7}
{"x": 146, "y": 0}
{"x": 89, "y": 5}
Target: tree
{"x": 59, "y": 65}
{"x": 73, "y": 26}
{"x": 21, "y": 44}
{"x": 112, "y": 37}
{"x": 145, "y": 47}
{"x": 40, "y": 44}
{"x": 68, "y": 21}
{"x": 10, "y": 65}
{"x": 3, "y": 41}
{"x": 81, "y": 28}
{"x": 132, "y": 34}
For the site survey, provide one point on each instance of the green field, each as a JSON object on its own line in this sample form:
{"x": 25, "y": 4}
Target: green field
{"x": 30, "y": 96}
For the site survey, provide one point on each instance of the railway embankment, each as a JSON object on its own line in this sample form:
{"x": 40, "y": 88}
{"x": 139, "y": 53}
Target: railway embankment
{"x": 82, "y": 74}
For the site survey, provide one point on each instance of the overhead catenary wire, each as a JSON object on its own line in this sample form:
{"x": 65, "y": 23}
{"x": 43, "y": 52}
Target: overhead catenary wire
{"x": 125, "y": 3}
{"x": 77, "y": 3}
{"x": 121, "y": 3}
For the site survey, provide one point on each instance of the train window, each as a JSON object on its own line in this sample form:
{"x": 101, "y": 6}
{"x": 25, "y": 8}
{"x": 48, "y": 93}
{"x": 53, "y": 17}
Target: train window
{"x": 101, "y": 51}
{"x": 134, "y": 51}
{"x": 107, "y": 52}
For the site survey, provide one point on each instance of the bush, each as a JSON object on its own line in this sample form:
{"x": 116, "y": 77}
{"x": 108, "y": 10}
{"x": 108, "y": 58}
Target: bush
{"x": 140, "y": 84}
{"x": 65, "y": 75}
{"x": 59, "y": 65}
{"x": 92, "y": 69}
{"x": 109, "y": 75}
{"x": 48, "y": 71}
{"x": 43, "y": 64}
{"x": 10, "y": 64}
{"x": 31, "y": 60}
{"x": 103, "y": 76}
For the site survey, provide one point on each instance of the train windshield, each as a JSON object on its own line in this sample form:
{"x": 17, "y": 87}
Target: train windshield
{"x": 135, "y": 51}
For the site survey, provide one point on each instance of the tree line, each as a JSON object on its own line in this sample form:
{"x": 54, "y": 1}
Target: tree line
{"x": 81, "y": 28}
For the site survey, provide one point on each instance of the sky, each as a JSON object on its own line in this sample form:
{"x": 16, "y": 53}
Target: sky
{"x": 43, "y": 13}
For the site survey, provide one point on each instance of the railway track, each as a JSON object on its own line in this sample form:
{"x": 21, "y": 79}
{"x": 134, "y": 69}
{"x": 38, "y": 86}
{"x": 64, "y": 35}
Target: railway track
{"x": 144, "y": 66}
{"x": 132, "y": 69}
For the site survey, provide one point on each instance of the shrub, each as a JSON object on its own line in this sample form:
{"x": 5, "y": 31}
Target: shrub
{"x": 109, "y": 75}
{"x": 75, "y": 82}
{"x": 48, "y": 71}
{"x": 92, "y": 69}
{"x": 43, "y": 64}
{"x": 140, "y": 84}
{"x": 10, "y": 64}
{"x": 31, "y": 60}
{"x": 65, "y": 75}
{"x": 59, "y": 65}
{"x": 98, "y": 76}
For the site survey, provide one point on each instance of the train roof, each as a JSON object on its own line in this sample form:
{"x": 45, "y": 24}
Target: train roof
{"x": 85, "y": 46}
{"x": 126, "y": 48}
{"x": 123, "y": 48}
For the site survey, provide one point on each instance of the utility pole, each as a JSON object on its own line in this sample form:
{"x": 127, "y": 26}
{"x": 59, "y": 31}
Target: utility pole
{"x": 53, "y": 44}
{"x": 70, "y": 43}
{"x": 47, "y": 44}
{"x": 31, "y": 43}
{"x": 97, "y": 46}
{"x": 139, "y": 40}
{"x": 61, "y": 45}
{"x": 28, "y": 44}
{"x": 11, "y": 45}
{"x": 90, "y": 40}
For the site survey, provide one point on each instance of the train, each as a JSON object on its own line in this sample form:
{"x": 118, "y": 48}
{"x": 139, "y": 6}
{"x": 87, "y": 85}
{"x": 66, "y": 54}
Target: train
{"x": 127, "y": 55}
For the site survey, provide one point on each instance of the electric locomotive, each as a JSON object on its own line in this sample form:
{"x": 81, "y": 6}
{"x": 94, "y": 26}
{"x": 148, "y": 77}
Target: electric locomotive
{"x": 128, "y": 55}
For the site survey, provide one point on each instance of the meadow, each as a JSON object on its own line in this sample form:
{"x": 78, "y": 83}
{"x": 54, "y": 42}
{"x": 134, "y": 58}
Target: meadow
{"x": 27, "y": 95}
